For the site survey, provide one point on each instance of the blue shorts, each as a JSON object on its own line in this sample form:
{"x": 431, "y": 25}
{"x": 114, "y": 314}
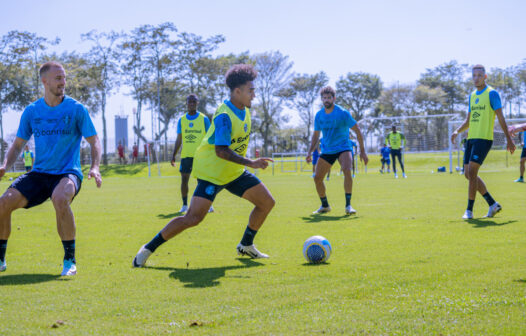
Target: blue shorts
{"x": 477, "y": 150}
{"x": 523, "y": 154}
{"x": 38, "y": 187}
{"x": 386, "y": 161}
{"x": 186, "y": 165}
{"x": 331, "y": 158}
{"x": 237, "y": 187}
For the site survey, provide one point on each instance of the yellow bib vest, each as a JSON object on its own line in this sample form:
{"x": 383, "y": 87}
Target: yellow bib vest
{"x": 207, "y": 165}
{"x": 193, "y": 132}
{"x": 395, "y": 140}
{"x": 28, "y": 160}
{"x": 482, "y": 118}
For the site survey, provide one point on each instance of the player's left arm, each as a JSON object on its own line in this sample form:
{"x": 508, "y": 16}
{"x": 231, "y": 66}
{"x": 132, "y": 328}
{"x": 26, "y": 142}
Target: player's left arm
{"x": 94, "y": 171}
{"x": 510, "y": 145}
{"x": 359, "y": 137}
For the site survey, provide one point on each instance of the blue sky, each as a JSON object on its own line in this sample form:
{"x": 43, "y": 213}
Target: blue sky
{"x": 396, "y": 40}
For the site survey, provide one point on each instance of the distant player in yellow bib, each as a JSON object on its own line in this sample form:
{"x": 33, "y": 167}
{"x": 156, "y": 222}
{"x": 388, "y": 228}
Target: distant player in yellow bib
{"x": 219, "y": 163}
{"x": 191, "y": 129}
{"x": 396, "y": 141}
{"x": 28, "y": 158}
{"x": 484, "y": 104}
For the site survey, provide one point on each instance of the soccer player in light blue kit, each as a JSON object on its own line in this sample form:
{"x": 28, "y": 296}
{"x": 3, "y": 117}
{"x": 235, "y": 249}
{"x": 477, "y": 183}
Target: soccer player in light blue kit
{"x": 58, "y": 123}
{"x": 335, "y": 124}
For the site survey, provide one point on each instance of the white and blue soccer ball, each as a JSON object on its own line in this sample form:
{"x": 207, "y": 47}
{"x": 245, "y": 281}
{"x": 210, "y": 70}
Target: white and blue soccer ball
{"x": 317, "y": 249}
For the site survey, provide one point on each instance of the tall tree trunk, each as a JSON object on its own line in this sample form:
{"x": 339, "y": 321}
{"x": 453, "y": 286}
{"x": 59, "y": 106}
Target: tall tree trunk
{"x": 104, "y": 131}
{"x": 1, "y": 137}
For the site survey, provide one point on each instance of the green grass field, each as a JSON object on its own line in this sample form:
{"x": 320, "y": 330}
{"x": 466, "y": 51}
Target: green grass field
{"x": 407, "y": 264}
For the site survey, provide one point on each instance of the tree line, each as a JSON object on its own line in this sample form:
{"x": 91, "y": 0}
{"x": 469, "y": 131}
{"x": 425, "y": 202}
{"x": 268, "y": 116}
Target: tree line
{"x": 158, "y": 66}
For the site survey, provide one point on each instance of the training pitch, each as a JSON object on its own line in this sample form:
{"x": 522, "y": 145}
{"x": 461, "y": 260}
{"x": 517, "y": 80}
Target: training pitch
{"x": 406, "y": 264}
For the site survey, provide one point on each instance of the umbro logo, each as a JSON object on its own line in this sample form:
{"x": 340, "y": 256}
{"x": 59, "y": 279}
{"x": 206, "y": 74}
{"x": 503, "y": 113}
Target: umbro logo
{"x": 476, "y": 115}
{"x": 190, "y": 137}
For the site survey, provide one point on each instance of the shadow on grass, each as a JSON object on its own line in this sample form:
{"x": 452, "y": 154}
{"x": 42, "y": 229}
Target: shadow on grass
{"x": 485, "y": 222}
{"x": 520, "y": 280}
{"x": 171, "y": 215}
{"x": 326, "y": 218}
{"x": 28, "y": 279}
{"x": 116, "y": 169}
{"x": 204, "y": 277}
{"x": 313, "y": 265}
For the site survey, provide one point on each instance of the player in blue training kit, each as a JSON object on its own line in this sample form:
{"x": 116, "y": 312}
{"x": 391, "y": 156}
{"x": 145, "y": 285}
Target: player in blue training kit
{"x": 385, "y": 152}
{"x": 523, "y": 158}
{"x": 58, "y": 124}
{"x": 335, "y": 124}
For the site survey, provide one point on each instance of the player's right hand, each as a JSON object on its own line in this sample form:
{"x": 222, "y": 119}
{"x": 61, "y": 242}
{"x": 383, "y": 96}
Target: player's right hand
{"x": 453, "y": 137}
{"x": 261, "y": 163}
{"x": 309, "y": 158}
{"x": 173, "y": 162}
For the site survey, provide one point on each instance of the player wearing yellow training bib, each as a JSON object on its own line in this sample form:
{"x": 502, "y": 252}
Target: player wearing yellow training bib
{"x": 191, "y": 129}
{"x": 396, "y": 141}
{"x": 484, "y": 105}
{"x": 219, "y": 163}
{"x": 28, "y": 158}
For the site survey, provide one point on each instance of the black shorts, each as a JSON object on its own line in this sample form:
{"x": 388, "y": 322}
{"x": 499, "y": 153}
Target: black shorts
{"x": 28, "y": 168}
{"x": 396, "y": 153}
{"x": 523, "y": 154}
{"x": 331, "y": 158}
{"x": 237, "y": 187}
{"x": 477, "y": 150}
{"x": 186, "y": 165}
{"x": 38, "y": 187}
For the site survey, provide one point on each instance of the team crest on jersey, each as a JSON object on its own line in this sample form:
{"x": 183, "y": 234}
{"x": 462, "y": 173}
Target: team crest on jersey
{"x": 210, "y": 190}
{"x": 245, "y": 128}
{"x": 191, "y": 125}
{"x": 67, "y": 119}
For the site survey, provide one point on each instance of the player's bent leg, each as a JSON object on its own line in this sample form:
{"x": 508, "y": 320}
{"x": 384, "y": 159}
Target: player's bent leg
{"x": 263, "y": 202}
{"x": 196, "y": 213}
{"x": 61, "y": 197}
{"x": 11, "y": 200}
{"x": 472, "y": 176}
{"x": 346, "y": 164}
{"x": 322, "y": 168}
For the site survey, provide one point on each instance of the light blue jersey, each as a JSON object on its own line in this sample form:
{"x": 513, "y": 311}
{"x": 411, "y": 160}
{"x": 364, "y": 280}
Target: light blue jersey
{"x": 335, "y": 128}
{"x": 58, "y": 131}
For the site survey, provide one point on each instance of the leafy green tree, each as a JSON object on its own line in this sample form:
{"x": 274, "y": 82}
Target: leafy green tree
{"x": 507, "y": 83}
{"x": 451, "y": 77}
{"x": 358, "y": 92}
{"x": 104, "y": 70}
{"x": 301, "y": 94}
{"x": 274, "y": 74}
{"x": 15, "y": 87}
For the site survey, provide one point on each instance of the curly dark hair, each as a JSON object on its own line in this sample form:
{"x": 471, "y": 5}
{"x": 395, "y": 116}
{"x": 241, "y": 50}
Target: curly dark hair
{"x": 240, "y": 74}
{"x": 328, "y": 90}
{"x": 192, "y": 96}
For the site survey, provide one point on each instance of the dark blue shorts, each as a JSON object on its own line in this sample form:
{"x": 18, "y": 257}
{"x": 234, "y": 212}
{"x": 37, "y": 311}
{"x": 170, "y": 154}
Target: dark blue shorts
{"x": 386, "y": 161}
{"x": 396, "y": 153}
{"x": 523, "y": 154}
{"x": 237, "y": 187}
{"x": 477, "y": 150}
{"x": 331, "y": 158}
{"x": 186, "y": 165}
{"x": 315, "y": 157}
{"x": 38, "y": 187}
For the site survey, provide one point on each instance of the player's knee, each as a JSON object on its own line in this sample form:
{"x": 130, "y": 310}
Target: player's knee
{"x": 60, "y": 201}
{"x": 269, "y": 203}
{"x": 6, "y": 206}
{"x": 192, "y": 219}
{"x": 318, "y": 178}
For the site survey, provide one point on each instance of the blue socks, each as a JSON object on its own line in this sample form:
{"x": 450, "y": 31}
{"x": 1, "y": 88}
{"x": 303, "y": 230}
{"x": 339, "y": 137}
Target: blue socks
{"x": 185, "y": 200}
{"x": 157, "y": 241}
{"x": 324, "y": 202}
{"x": 470, "y": 204}
{"x": 488, "y": 199}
